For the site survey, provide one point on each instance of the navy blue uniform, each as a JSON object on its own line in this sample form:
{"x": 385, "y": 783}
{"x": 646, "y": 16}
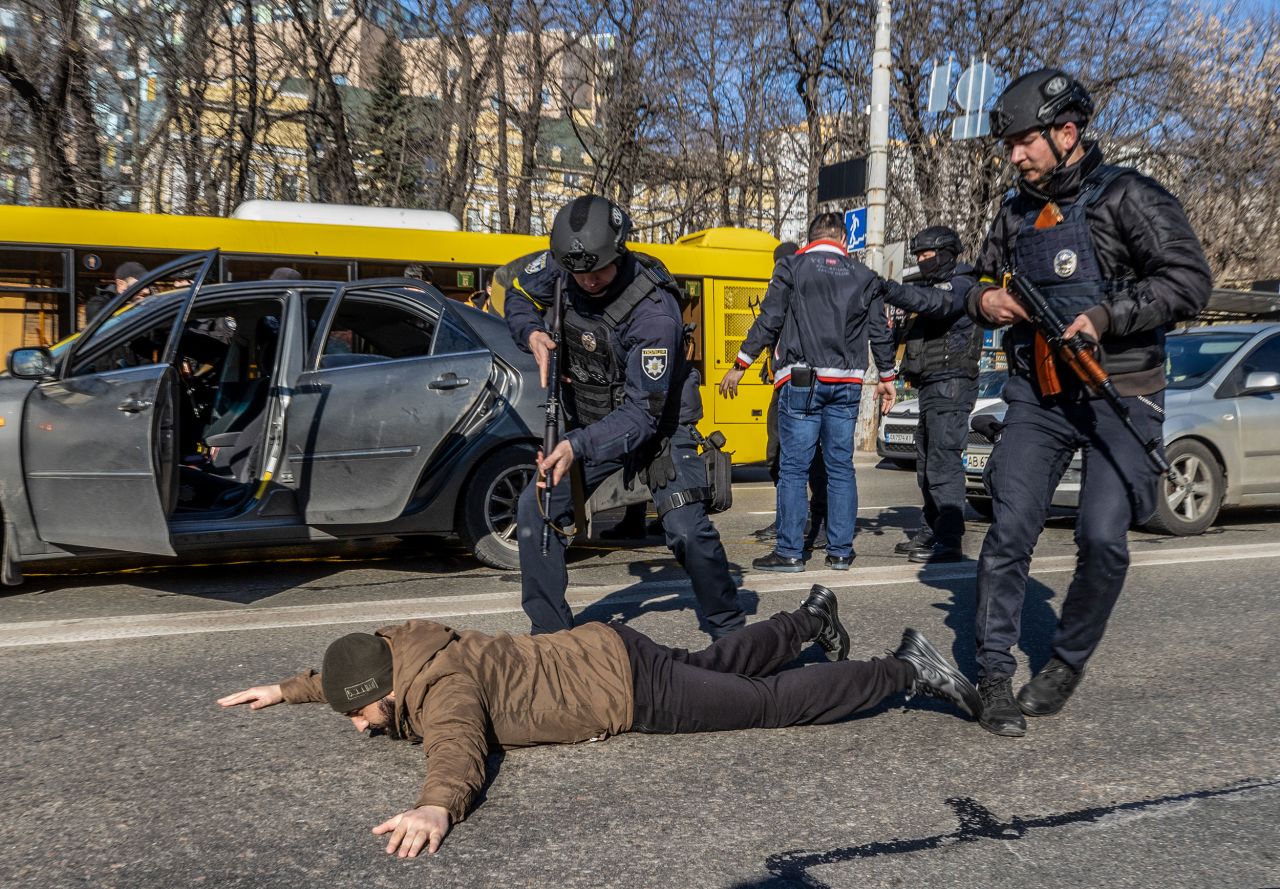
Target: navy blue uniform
{"x": 630, "y": 390}
{"x": 1125, "y": 256}
{"x": 941, "y": 361}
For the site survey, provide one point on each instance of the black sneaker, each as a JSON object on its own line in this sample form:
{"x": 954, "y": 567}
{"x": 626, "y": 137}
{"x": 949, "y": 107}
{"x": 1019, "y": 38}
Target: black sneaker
{"x": 839, "y": 563}
{"x": 775, "y": 562}
{"x": 936, "y": 554}
{"x": 768, "y": 532}
{"x": 833, "y": 638}
{"x": 1000, "y": 714}
{"x": 935, "y": 675}
{"x": 923, "y": 537}
{"x": 1049, "y": 690}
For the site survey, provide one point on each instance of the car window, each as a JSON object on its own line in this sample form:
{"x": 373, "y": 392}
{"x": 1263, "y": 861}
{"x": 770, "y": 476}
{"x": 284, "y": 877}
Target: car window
{"x": 1191, "y": 359}
{"x": 451, "y": 339}
{"x": 991, "y": 383}
{"x": 365, "y": 330}
{"x": 1264, "y": 359}
{"x": 133, "y": 338}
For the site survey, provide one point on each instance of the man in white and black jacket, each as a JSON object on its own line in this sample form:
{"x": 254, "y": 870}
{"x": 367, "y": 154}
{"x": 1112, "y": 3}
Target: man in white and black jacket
{"x": 822, "y": 309}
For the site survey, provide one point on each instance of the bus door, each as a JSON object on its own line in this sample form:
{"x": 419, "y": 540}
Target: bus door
{"x": 99, "y": 439}
{"x": 730, "y": 313}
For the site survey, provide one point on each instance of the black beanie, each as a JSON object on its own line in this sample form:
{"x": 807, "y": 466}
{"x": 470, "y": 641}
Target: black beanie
{"x": 356, "y": 671}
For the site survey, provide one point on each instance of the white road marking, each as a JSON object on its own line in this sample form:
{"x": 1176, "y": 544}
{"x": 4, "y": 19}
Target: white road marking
{"x": 52, "y": 632}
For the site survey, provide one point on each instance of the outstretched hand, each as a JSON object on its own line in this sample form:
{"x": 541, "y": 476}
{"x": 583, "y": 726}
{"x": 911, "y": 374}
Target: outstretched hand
{"x": 411, "y": 830}
{"x": 257, "y": 697}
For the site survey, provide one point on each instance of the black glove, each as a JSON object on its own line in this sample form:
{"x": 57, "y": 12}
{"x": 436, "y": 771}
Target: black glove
{"x": 661, "y": 470}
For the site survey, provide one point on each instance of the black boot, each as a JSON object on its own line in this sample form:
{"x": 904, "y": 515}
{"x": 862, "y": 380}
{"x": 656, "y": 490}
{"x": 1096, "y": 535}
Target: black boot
{"x": 936, "y": 554}
{"x": 922, "y": 538}
{"x": 833, "y": 638}
{"x": 1000, "y": 714}
{"x": 935, "y": 675}
{"x": 1049, "y": 690}
{"x": 768, "y": 532}
{"x": 775, "y": 562}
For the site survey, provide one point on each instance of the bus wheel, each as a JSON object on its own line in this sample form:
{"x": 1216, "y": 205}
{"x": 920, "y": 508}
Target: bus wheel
{"x": 488, "y": 509}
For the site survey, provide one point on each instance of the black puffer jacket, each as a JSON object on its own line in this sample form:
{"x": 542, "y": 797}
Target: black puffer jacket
{"x": 1145, "y": 247}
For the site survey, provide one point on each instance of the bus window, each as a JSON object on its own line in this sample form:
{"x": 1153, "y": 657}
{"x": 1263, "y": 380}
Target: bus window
{"x": 96, "y": 274}
{"x": 35, "y": 304}
{"x": 454, "y": 282}
{"x": 260, "y": 268}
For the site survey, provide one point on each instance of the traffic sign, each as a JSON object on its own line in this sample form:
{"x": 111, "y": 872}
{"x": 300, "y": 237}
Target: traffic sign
{"x": 855, "y": 229}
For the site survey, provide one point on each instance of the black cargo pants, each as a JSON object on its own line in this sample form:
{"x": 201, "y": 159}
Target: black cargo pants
{"x": 1119, "y": 487}
{"x": 733, "y": 684}
{"x": 940, "y": 439}
{"x": 690, "y": 536}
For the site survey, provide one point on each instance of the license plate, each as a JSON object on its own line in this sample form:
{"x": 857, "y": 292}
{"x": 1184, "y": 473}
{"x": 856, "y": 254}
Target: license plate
{"x": 899, "y": 438}
{"x": 975, "y": 462}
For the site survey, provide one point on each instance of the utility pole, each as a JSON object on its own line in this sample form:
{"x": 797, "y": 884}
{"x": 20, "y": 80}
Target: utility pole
{"x": 877, "y": 198}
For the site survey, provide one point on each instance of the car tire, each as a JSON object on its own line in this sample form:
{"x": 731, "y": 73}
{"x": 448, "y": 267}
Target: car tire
{"x": 1185, "y": 513}
{"x": 487, "y": 515}
{"x": 982, "y": 506}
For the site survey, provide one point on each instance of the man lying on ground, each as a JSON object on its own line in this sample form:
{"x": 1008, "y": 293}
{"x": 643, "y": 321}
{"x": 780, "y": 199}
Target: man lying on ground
{"x": 463, "y": 693}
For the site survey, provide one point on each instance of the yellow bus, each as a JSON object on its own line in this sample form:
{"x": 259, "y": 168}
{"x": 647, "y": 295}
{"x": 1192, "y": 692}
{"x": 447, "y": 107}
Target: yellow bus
{"x": 53, "y": 261}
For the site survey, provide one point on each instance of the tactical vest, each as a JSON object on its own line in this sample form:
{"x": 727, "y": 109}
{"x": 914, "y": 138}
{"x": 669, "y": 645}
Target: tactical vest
{"x": 592, "y": 359}
{"x": 1062, "y": 262}
{"x": 941, "y": 348}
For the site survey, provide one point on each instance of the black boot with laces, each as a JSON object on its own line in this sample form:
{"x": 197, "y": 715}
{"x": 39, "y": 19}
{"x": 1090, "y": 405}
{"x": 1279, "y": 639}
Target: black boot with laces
{"x": 1048, "y": 692}
{"x": 1000, "y": 714}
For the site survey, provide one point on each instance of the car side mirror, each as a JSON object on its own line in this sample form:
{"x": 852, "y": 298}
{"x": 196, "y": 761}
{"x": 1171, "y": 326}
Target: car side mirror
{"x": 36, "y": 363}
{"x": 1261, "y": 381}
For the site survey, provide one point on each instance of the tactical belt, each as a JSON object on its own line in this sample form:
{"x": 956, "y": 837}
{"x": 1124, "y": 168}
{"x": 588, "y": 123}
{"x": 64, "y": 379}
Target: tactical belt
{"x": 683, "y": 498}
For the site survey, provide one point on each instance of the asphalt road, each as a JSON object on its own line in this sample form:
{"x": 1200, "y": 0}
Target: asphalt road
{"x": 119, "y": 770}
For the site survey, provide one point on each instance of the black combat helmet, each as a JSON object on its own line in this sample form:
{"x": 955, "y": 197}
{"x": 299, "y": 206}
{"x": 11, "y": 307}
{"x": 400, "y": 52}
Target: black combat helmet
{"x": 1039, "y": 100}
{"x": 589, "y": 233}
{"x": 937, "y": 237}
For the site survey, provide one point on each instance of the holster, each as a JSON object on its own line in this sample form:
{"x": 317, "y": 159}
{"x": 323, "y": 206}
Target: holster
{"x": 719, "y": 466}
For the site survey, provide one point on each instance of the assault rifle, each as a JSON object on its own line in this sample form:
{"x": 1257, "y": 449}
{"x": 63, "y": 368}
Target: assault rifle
{"x": 1077, "y": 353}
{"x": 551, "y": 431}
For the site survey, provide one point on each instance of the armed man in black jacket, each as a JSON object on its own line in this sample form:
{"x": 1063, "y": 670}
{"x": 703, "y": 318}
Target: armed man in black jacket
{"x": 1112, "y": 249}
{"x": 941, "y": 361}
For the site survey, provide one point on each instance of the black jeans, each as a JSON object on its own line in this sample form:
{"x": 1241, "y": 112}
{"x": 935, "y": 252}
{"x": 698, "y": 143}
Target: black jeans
{"x": 940, "y": 440}
{"x": 690, "y": 536}
{"x": 1119, "y": 487}
{"x": 729, "y": 685}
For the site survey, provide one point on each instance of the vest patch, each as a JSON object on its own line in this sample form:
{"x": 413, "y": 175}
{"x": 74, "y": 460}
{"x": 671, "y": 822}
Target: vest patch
{"x": 589, "y": 341}
{"x": 537, "y": 264}
{"x": 1064, "y": 264}
{"x": 654, "y": 362}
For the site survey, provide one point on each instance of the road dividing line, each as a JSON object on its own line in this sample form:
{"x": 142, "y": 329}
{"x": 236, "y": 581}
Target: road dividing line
{"x": 226, "y": 619}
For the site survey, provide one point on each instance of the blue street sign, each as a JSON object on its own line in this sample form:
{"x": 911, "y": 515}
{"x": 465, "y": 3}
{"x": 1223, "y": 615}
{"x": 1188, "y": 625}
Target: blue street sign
{"x": 855, "y": 229}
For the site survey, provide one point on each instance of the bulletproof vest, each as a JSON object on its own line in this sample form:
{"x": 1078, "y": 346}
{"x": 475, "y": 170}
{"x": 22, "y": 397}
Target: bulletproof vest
{"x": 941, "y": 348}
{"x": 1061, "y": 261}
{"x": 592, "y": 356}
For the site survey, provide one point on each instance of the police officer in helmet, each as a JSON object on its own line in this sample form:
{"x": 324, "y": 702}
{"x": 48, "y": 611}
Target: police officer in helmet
{"x": 1112, "y": 250}
{"x": 941, "y": 361}
{"x": 631, "y": 400}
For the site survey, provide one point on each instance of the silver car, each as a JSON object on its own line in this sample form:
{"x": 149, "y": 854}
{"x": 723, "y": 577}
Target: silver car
{"x": 211, "y": 417}
{"x": 896, "y": 436}
{"x": 1221, "y": 429}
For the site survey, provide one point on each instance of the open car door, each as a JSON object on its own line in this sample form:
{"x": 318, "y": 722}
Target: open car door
{"x": 99, "y": 440}
{"x": 388, "y": 383}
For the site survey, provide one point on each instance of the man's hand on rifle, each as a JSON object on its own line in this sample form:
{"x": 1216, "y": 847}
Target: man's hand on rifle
{"x": 1083, "y": 325}
{"x": 729, "y": 384}
{"x": 557, "y": 463}
{"x": 541, "y": 345}
{"x": 1002, "y": 307}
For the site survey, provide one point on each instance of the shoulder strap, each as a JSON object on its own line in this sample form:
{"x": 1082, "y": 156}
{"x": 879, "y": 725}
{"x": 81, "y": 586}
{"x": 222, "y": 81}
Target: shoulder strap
{"x": 1097, "y": 182}
{"x": 640, "y": 287}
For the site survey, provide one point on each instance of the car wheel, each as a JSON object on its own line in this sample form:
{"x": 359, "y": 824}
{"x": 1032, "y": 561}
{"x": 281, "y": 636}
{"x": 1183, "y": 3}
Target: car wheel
{"x": 982, "y": 506}
{"x": 488, "y": 519}
{"x": 1183, "y": 511}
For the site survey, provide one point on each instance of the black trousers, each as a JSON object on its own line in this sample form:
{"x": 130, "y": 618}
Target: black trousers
{"x": 1119, "y": 487}
{"x": 690, "y": 536}
{"x": 817, "y": 469}
{"x": 940, "y": 439}
{"x": 733, "y": 684}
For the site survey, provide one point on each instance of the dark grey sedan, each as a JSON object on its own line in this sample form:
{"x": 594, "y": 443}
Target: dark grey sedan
{"x": 216, "y": 416}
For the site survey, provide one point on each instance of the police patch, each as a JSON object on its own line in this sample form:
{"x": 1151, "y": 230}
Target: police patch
{"x": 1055, "y": 86}
{"x": 654, "y": 363}
{"x": 537, "y": 264}
{"x": 589, "y": 341}
{"x": 943, "y": 285}
{"x": 1064, "y": 264}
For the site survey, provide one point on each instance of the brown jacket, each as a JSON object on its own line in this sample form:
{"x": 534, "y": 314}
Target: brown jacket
{"x": 464, "y": 693}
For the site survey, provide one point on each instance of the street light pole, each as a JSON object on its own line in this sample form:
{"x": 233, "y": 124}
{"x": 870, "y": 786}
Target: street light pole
{"x": 877, "y": 198}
